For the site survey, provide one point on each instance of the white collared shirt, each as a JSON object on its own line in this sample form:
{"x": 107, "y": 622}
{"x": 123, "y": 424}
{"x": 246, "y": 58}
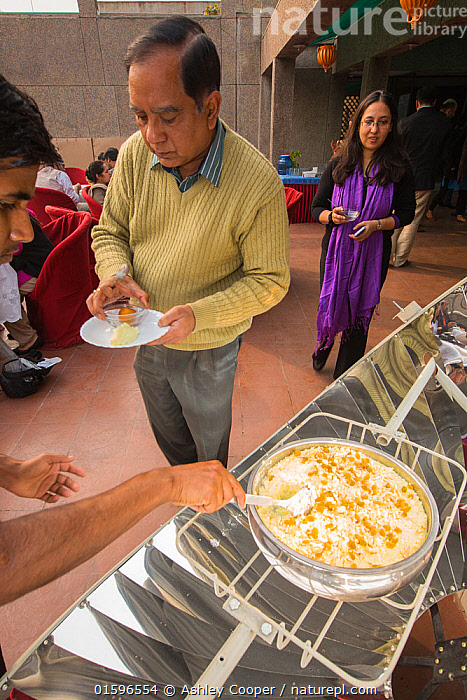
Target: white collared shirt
{"x": 56, "y": 180}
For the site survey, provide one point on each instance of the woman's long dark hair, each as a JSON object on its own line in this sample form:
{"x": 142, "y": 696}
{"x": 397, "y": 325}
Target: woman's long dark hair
{"x": 389, "y": 163}
{"x": 95, "y": 168}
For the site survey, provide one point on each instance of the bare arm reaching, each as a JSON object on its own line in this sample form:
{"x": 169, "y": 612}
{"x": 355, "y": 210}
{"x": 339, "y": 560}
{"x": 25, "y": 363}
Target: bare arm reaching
{"x": 38, "y": 548}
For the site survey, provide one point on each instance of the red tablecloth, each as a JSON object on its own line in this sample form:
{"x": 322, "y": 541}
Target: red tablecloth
{"x": 302, "y": 214}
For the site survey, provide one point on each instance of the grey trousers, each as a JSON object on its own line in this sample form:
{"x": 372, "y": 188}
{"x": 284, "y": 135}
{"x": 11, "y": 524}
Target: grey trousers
{"x": 188, "y": 399}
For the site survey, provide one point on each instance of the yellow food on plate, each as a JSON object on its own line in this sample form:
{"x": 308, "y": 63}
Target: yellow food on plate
{"x": 365, "y": 514}
{"x": 124, "y": 334}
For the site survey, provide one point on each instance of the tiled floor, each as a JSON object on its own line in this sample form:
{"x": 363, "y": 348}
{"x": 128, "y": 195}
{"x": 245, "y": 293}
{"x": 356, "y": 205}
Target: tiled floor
{"x": 90, "y": 406}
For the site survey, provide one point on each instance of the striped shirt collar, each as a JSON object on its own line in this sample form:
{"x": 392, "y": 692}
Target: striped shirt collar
{"x": 210, "y": 168}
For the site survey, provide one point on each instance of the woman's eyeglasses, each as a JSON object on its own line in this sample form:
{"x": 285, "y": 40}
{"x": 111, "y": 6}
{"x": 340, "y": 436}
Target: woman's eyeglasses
{"x": 381, "y": 124}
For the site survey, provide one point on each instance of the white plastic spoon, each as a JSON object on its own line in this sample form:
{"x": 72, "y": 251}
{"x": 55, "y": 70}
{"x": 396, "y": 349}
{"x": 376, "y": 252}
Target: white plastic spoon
{"x": 299, "y": 504}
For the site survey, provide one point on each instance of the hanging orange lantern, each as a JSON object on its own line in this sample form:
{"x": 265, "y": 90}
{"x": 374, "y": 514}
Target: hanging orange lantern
{"x": 326, "y": 55}
{"x": 415, "y": 9}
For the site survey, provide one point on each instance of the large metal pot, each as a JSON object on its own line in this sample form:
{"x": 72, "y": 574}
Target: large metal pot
{"x": 338, "y": 583}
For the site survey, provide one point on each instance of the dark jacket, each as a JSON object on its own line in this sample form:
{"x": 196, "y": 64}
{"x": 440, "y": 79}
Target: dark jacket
{"x": 462, "y": 171}
{"x": 424, "y": 135}
{"x": 34, "y": 253}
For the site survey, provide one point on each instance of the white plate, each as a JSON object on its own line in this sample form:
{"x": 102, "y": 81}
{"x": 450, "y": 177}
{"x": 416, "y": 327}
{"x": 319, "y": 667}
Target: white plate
{"x": 97, "y": 332}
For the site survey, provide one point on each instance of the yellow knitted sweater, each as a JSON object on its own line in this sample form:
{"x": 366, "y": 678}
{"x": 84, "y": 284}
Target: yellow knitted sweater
{"x": 223, "y": 250}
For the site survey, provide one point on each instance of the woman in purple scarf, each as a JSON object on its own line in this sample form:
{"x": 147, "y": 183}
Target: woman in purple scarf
{"x": 370, "y": 176}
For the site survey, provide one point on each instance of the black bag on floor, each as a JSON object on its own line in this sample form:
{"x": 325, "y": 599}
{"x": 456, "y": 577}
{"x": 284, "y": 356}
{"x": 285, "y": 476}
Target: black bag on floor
{"x": 21, "y": 378}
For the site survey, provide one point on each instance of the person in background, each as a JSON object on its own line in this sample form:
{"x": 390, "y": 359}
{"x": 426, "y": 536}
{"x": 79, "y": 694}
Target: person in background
{"x": 28, "y": 264}
{"x": 336, "y": 147}
{"x": 449, "y": 109}
{"x": 54, "y": 178}
{"x": 370, "y": 176}
{"x": 98, "y": 175}
{"x": 110, "y": 157}
{"x": 424, "y": 137}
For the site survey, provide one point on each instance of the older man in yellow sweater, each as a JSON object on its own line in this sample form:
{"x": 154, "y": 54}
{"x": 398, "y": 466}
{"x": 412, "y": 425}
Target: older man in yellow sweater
{"x": 199, "y": 215}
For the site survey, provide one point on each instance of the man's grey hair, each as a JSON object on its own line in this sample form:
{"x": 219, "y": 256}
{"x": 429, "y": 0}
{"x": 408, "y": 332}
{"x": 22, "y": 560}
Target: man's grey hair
{"x": 449, "y": 104}
{"x": 199, "y": 62}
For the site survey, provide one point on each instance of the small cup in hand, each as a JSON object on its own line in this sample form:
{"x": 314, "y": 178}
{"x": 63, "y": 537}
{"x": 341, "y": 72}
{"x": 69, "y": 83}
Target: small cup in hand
{"x": 350, "y": 214}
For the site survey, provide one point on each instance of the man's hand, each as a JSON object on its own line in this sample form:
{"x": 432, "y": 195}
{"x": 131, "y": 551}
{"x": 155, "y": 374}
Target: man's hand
{"x": 205, "y": 486}
{"x": 181, "y": 320}
{"x": 44, "y": 477}
{"x": 109, "y": 291}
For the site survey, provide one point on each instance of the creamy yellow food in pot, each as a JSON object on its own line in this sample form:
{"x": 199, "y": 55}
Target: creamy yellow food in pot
{"x": 365, "y": 514}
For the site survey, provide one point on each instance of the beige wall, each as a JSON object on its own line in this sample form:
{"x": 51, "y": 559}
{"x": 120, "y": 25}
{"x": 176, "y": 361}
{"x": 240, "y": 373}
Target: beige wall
{"x": 317, "y": 110}
{"x": 73, "y": 65}
{"x": 79, "y": 153}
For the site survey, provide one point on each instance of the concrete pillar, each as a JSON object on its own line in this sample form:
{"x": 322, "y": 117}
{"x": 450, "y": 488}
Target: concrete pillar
{"x": 87, "y": 8}
{"x": 375, "y": 75}
{"x": 283, "y": 79}
{"x": 335, "y": 108}
{"x": 264, "y": 123}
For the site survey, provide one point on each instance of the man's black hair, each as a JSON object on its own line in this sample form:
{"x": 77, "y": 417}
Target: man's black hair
{"x": 23, "y": 134}
{"x": 427, "y": 95}
{"x": 200, "y": 64}
{"x": 111, "y": 154}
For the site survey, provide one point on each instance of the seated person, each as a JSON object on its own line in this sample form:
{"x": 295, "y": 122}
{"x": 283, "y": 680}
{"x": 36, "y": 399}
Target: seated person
{"x": 54, "y": 178}
{"x": 98, "y": 175}
{"x": 28, "y": 264}
{"x": 336, "y": 147}
{"x": 110, "y": 157}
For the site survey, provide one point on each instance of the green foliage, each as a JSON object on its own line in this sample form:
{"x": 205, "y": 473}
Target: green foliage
{"x": 294, "y": 155}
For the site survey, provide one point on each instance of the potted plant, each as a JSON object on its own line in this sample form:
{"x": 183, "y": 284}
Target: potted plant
{"x": 294, "y": 155}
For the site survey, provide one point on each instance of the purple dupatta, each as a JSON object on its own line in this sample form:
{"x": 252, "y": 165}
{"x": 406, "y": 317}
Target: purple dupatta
{"x": 352, "y": 274}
